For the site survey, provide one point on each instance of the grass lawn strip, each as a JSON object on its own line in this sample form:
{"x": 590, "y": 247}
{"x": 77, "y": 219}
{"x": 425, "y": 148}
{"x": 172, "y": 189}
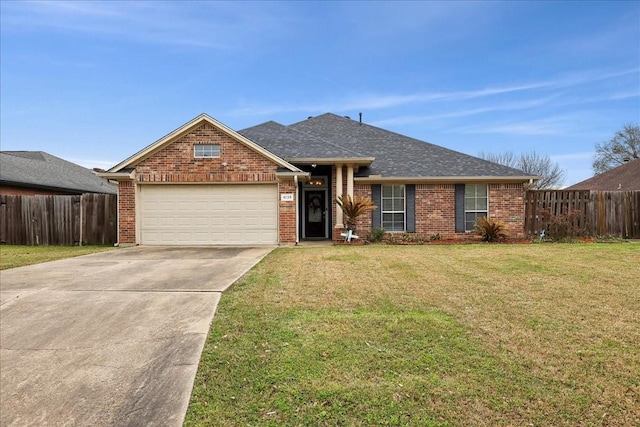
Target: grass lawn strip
{"x": 437, "y": 336}
{"x": 12, "y": 256}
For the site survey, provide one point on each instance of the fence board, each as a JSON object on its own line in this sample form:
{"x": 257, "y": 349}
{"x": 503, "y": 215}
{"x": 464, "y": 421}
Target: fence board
{"x": 593, "y": 213}
{"x": 89, "y": 219}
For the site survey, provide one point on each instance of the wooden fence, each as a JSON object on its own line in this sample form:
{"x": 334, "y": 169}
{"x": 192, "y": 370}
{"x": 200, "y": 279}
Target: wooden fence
{"x": 89, "y": 219}
{"x": 589, "y": 213}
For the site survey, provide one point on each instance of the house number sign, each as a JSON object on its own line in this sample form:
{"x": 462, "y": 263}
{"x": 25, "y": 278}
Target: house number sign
{"x": 286, "y": 197}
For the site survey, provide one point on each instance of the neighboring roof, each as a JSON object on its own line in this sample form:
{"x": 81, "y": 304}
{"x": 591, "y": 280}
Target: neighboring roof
{"x": 188, "y": 127}
{"x": 396, "y": 156}
{"x": 37, "y": 169}
{"x": 625, "y": 177}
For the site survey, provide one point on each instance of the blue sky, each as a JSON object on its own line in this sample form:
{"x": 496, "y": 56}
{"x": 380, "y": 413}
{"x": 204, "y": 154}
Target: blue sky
{"x": 94, "y": 82}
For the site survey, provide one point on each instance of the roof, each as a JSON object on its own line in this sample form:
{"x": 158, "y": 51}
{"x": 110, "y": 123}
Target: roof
{"x": 391, "y": 155}
{"x": 292, "y": 145}
{"x": 37, "y": 169}
{"x": 186, "y": 128}
{"x": 625, "y": 177}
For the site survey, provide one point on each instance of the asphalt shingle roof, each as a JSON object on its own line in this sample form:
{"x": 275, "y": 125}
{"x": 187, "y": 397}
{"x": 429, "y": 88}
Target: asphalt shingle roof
{"x": 625, "y": 177}
{"x": 289, "y": 144}
{"x": 333, "y": 136}
{"x": 42, "y": 170}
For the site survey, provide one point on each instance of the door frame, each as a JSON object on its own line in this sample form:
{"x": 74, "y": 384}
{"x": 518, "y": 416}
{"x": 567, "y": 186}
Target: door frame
{"x": 306, "y": 188}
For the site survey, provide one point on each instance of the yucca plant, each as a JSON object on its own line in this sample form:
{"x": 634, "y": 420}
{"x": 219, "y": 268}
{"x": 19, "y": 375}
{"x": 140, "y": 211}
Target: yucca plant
{"x": 490, "y": 229}
{"x": 353, "y": 208}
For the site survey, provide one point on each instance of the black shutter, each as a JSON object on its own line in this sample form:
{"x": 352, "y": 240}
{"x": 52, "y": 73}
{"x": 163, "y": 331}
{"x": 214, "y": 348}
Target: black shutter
{"x": 410, "y": 194}
{"x": 376, "y": 215}
{"x": 459, "y": 210}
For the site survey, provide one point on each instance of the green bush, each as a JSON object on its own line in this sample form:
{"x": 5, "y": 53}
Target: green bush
{"x": 376, "y": 235}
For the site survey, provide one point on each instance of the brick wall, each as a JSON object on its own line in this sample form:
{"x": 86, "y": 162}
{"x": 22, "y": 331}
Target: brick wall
{"x": 126, "y": 212}
{"x": 176, "y": 163}
{"x": 435, "y": 210}
{"x": 363, "y": 223}
{"x": 506, "y": 202}
{"x": 287, "y": 211}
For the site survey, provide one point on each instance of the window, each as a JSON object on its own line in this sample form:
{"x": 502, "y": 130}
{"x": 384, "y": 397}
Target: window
{"x": 476, "y": 204}
{"x": 393, "y": 208}
{"x": 206, "y": 150}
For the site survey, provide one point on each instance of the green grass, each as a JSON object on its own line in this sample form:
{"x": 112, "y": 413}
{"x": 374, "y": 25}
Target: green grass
{"x": 482, "y": 335}
{"x": 17, "y": 256}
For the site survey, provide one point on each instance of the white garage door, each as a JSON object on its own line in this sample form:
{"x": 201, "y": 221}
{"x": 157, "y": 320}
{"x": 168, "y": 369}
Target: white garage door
{"x": 208, "y": 214}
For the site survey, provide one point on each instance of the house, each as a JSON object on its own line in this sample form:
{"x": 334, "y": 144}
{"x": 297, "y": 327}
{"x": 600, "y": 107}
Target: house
{"x": 625, "y": 177}
{"x": 36, "y": 172}
{"x": 206, "y": 184}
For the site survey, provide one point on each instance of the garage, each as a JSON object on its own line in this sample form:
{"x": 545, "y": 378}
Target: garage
{"x": 220, "y": 214}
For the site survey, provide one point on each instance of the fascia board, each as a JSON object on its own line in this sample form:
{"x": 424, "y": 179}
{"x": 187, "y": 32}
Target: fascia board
{"x": 117, "y": 176}
{"x": 292, "y": 174}
{"x": 332, "y": 160}
{"x": 446, "y": 179}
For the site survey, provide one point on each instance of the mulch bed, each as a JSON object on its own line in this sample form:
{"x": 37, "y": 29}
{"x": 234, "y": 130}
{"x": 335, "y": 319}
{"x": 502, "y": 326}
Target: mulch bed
{"x": 359, "y": 242}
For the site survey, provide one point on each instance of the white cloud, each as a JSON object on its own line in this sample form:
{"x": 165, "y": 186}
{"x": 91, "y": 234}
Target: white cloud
{"x": 378, "y": 101}
{"x": 548, "y": 126}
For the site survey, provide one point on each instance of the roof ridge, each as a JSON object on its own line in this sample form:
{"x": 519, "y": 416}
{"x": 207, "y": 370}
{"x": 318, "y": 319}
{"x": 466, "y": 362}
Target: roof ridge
{"x": 26, "y": 154}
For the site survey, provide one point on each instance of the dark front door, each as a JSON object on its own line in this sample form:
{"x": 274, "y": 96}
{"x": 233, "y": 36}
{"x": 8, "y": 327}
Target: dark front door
{"x": 315, "y": 213}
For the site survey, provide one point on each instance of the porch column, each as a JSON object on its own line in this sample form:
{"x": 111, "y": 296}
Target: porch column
{"x": 339, "y": 193}
{"x": 350, "y": 180}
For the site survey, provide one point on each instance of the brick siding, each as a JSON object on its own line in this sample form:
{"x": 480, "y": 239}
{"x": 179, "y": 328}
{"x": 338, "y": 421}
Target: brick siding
{"x": 506, "y": 202}
{"x": 287, "y": 212}
{"x": 435, "y": 209}
{"x": 176, "y": 163}
{"x": 126, "y": 212}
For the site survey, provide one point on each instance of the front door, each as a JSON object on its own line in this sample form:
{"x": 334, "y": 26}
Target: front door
{"x": 315, "y": 216}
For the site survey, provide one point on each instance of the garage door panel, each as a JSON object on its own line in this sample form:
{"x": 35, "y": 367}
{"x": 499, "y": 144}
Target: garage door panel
{"x": 208, "y": 214}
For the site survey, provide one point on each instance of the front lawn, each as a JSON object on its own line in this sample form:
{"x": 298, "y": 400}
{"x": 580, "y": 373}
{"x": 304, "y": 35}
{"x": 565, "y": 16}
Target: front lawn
{"x": 12, "y": 256}
{"x": 470, "y": 335}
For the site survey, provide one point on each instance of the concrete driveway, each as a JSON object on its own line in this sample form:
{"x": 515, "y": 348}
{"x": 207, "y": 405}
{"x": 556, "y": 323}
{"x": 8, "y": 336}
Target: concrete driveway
{"x": 112, "y": 338}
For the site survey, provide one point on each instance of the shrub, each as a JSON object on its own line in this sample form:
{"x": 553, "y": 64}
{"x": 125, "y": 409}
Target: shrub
{"x": 376, "y": 235}
{"x": 412, "y": 238}
{"x": 561, "y": 227}
{"x": 564, "y": 226}
{"x": 490, "y": 229}
{"x": 353, "y": 208}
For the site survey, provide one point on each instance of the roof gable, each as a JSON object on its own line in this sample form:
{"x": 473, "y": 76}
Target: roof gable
{"x": 166, "y": 140}
{"x": 625, "y": 177}
{"x": 37, "y": 169}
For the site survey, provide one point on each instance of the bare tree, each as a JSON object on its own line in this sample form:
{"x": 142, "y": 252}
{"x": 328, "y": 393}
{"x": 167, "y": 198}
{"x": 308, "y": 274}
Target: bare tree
{"x": 532, "y": 163}
{"x": 624, "y": 146}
